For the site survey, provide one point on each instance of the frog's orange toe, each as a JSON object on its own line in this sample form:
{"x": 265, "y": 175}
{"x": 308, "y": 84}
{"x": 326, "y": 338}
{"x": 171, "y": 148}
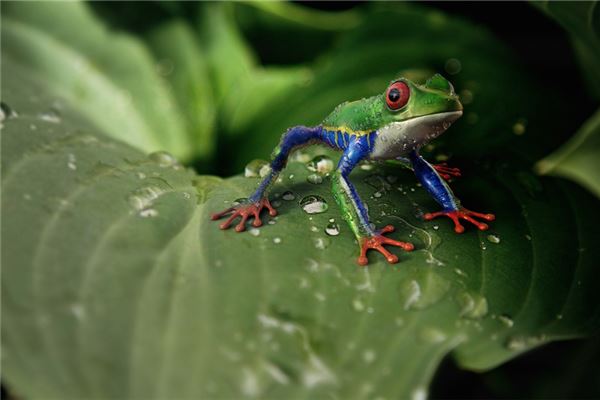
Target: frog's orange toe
{"x": 244, "y": 211}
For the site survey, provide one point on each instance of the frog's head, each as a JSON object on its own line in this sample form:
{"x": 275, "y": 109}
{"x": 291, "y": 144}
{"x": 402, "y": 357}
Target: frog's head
{"x": 418, "y": 113}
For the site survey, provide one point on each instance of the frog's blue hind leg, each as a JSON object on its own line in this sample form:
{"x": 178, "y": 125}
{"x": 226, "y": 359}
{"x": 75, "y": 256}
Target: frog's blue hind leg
{"x": 353, "y": 209}
{"x": 294, "y": 138}
{"x": 441, "y": 192}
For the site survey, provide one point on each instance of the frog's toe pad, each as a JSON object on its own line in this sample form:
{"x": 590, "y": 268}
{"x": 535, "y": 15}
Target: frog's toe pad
{"x": 463, "y": 213}
{"x": 244, "y": 211}
{"x": 377, "y": 241}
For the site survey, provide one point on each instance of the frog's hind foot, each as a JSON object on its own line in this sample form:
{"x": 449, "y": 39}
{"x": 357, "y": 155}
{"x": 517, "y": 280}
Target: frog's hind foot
{"x": 446, "y": 172}
{"x": 463, "y": 213}
{"x": 377, "y": 241}
{"x": 245, "y": 211}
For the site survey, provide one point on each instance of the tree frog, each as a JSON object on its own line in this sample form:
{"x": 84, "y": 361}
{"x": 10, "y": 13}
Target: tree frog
{"x": 392, "y": 125}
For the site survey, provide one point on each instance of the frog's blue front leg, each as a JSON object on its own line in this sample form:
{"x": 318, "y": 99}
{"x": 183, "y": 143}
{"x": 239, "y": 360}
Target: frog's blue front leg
{"x": 441, "y": 192}
{"x": 354, "y": 211}
{"x": 293, "y": 139}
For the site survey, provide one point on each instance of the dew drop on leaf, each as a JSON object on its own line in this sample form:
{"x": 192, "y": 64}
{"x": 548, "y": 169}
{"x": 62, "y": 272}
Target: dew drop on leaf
{"x": 315, "y": 179}
{"x": 257, "y": 168}
{"x": 493, "y": 238}
{"x": 313, "y": 204}
{"x": 322, "y": 165}
{"x": 288, "y": 196}
{"x": 472, "y": 305}
{"x": 164, "y": 159}
{"x": 332, "y": 229}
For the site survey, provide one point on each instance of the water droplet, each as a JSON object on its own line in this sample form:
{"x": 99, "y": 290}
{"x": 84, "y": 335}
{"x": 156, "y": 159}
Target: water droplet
{"x": 518, "y": 343}
{"x": 320, "y": 296}
{"x": 291, "y": 177}
{"x": 377, "y": 195}
{"x": 51, "y": 116}
{"x": 164, "y": 159}
{"x": 314, "y": 229}
{"x": 506, "y": 320}
{"x": 142, "y": 198}
{"x": 472, "y": 305}
{"x": 313, "y": 204}
{"x": 493, "y": 238}
{"x": 528, "y": 237}
{"x": 254, "y": 231}
{"x": 436, "y": 227}
{"x": 77, "y": 310}
{"x": 288, "y": 196}
{"x": 141, "y": 175}
{"x": 315, "y": 179}
{"x": 369, "y": 356}
{"x": 432, "y": 335}
{"x": 322, "y": 165}
{"x": 520, "y": 126}
{"x": 71, "y": 162}
{"x": 148, "y": 213}
{"x": 321, "y": 243}
{"x": 332, "y": 229}
{"x": 257, "y": 168}
{"x": 559, "y": 316}
{"x": 453, "y": 66}
{"x": 277, "y": 240}
{"x": 422, "y": 290}
{"x": 358, "y": 305}
{"x": 366, "y": 166}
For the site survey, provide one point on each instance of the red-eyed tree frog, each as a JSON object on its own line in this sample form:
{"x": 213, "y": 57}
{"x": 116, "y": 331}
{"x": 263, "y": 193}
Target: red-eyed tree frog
{"x": 392, "y": 125}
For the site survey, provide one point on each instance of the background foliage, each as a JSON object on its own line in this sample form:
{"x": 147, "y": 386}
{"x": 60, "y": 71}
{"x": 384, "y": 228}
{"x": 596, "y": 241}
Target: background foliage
{"x": 115, "y": 282}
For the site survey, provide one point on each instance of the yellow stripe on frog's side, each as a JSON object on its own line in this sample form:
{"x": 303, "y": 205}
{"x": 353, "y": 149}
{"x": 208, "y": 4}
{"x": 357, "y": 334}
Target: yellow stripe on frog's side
{"x": 345, "y": 129}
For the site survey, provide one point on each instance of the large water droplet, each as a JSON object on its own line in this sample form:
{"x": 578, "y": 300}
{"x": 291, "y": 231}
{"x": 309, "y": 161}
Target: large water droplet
{"x": 493, "y": 238}
{"x": 472, "y": 305}
{"x": 313, "y": 204}
{"x": 322, "y": 165}
{"x": 332, "y": 229}
{"x": 422, "y": 290}
{"x": 315, "y": 179}
{"x": 164, "y": 159}
{"x": 257, "y": 168}
{"x": 142, "y": 198}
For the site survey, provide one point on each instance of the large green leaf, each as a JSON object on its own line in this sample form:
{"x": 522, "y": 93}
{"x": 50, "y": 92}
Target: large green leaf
{"x": 110, "y": 77}
{"x": 582, "y": 20}
{"x": 116, "y": 284}
{"x": 579, "y": 158}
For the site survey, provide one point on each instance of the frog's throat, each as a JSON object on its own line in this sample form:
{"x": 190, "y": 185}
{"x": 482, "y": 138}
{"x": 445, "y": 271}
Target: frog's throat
{"x": 399, "y": 138}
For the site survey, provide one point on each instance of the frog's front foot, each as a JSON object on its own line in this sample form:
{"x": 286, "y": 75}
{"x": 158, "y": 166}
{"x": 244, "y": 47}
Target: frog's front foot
{"x": 244, "y": 210}
{"x": 463, "y": 213}
{"x": 445, "y": 171}
{"x": 377, "y": 241}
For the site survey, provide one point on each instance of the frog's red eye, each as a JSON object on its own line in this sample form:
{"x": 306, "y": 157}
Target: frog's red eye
{"x": 397, "y": 95}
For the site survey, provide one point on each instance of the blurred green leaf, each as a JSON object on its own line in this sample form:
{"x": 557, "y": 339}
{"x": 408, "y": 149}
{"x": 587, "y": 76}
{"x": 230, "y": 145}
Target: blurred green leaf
{"x": 579, "y": 158}
{"x": 184, "y": 65}
{"x": 117, "y": 284}
{"x": 110, "y": 77}
{"x": 582, "y": 20}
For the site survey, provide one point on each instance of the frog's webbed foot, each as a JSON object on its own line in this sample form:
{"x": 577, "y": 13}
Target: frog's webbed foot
{"x": 377, "y": 241}
{"x": 445, "y": 171}
{"x": 463, "y": 213}
{"x": 244, "y": 211}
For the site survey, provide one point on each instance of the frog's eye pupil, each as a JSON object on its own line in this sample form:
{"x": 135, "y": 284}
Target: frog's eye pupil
{"x": 394, "y": 95}
{"x": 397, "y": 95}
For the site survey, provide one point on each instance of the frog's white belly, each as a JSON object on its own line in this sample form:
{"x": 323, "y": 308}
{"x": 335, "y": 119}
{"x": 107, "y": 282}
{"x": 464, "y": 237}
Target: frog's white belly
{"x": 399, "y": 138}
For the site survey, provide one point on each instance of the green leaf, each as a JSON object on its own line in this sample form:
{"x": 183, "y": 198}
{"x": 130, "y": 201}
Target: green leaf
{"x": 110, "y": 77}
{"x": 117, "y": 284}
{"x": 184, "y": 65}
{"x": 579, "y": 158}
{"x": 582, "y": 20}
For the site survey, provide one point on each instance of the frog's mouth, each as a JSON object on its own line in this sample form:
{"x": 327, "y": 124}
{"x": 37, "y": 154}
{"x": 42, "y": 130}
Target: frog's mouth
{"x": 402, "y": 137}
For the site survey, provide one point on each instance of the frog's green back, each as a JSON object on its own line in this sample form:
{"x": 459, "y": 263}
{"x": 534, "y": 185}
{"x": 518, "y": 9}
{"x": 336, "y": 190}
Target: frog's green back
{"x": 357, "y": 117}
